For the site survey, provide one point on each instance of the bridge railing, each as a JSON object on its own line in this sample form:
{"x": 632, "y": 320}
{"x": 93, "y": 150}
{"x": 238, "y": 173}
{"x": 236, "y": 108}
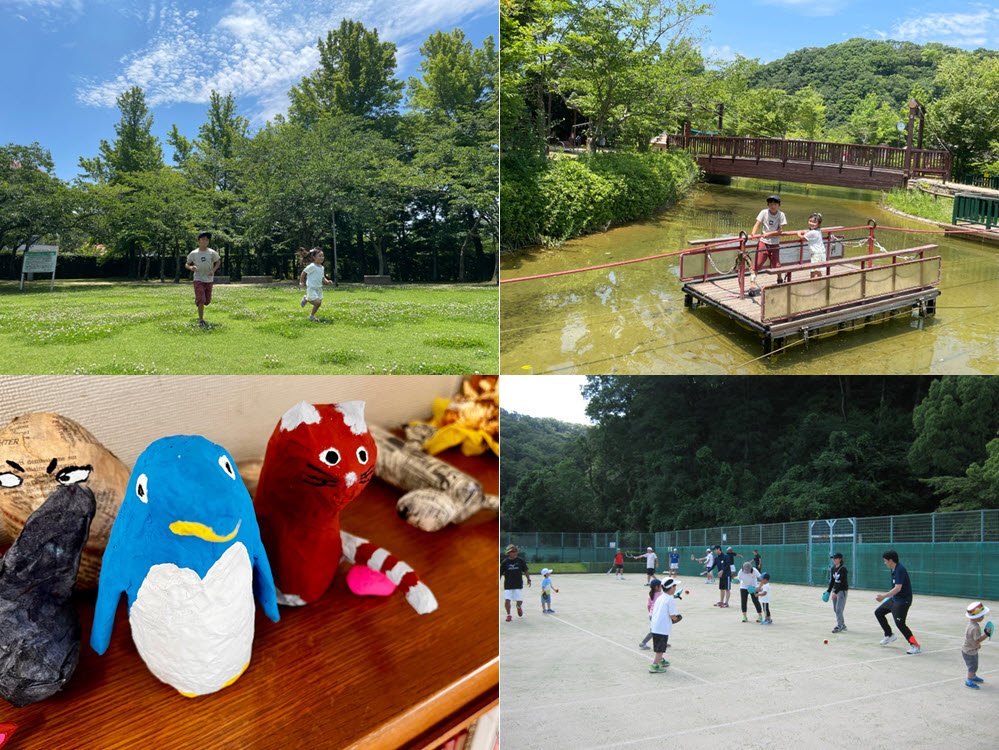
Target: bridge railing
{"x": 913, "y": 161}
{"x": 971, "y": 208}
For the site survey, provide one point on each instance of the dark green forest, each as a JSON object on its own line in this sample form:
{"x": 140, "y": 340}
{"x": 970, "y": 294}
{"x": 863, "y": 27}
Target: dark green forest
{"x": 689, "y": 452}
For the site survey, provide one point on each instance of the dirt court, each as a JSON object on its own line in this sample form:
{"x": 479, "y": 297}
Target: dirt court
{"x": 577, "y": 679}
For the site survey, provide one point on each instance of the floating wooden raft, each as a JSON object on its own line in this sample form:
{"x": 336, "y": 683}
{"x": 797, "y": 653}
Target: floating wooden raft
{"x": 851, "y": 291}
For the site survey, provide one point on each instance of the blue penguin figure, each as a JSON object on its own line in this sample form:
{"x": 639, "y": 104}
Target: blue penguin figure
{"x": 185, "y": 549}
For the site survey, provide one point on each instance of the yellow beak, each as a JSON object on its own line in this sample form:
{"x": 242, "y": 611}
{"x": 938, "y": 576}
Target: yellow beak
{"x": 191, "y": 528}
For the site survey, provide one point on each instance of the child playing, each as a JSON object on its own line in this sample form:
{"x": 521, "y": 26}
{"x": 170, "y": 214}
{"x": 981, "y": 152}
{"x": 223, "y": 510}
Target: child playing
{"x": 664, "y": 614}
{"x": 674, "y": 562}
{"x": 973, "y": 642}
{"x": 815, "y": 244}
{"x": 655, "y": 591}
{"x": 749, "y": 579}
{"x": 312, "y": 279}
{"x": 546, "y": 592}
{"x": 204, "y": 262}
{"x": 709, "y": 564}
{"x": 772, "y": 219}
{"x": 764, "y": 597}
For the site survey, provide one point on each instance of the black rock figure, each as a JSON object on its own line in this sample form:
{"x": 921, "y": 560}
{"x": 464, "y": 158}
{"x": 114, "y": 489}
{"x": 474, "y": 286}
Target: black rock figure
{"x": 39, "y": 623}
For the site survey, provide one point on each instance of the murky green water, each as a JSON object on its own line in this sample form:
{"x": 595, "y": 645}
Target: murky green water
{"x": 631, "y": 319}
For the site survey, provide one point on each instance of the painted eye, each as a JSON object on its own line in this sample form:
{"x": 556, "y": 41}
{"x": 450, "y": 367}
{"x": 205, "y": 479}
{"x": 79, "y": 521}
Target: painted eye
{"x": 227, "y": 467}
{"x": 9, "y": 479}
{"x": 330, "y": 457}
{"x": 73, "y": 475}
{"x": 140, "y": 488}
{"x": 362, "y": 455}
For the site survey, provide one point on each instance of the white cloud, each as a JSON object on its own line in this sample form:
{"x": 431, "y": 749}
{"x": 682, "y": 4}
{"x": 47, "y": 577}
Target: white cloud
{"x": 259, "y": 49}
{"x": 968, "y": 29}
{"x": 724, "y": 53}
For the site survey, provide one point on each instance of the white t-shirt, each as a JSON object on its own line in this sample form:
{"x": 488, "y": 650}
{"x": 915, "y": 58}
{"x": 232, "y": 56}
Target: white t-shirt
{"x": 314, "y": 275}
{"x": 749, "y": 579}
{"x": 709, "y": 563}
{"x": 771, "y": 223}
{"x": 815, "y": 245}
{"x": 205, "y": 261}
{"x": 664, "y": 607}
{"x": 764, "y": 592}
{"x": 650, "y": 559}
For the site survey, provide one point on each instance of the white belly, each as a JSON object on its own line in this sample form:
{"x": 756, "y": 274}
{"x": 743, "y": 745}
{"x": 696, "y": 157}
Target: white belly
{"x": 196, "y": 634}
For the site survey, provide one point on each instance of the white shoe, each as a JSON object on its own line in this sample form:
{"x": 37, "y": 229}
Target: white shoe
{"x": 913, "y": 650}
{"x": 888, "y": 639}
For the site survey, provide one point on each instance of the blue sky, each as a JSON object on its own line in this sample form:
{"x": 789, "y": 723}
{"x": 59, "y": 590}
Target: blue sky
{"x": 770, "y": 29}
{"x": 66, "y": 61}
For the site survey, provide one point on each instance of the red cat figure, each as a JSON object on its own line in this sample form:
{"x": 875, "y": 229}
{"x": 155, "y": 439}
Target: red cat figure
{"x": 318, "y": 460}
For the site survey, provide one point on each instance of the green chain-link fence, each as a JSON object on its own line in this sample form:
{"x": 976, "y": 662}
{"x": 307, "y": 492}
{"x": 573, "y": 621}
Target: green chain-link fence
{"x": 950, "y": 554}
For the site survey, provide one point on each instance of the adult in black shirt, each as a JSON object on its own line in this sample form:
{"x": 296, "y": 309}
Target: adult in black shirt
{"x": 511, "y": 569}
{"x": 838, "y": 586}
{"x": 723, "y": 562}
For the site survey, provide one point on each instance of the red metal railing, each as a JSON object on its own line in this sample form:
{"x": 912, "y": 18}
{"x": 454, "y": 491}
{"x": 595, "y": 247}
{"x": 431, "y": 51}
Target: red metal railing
{"x": 910, "y": 161}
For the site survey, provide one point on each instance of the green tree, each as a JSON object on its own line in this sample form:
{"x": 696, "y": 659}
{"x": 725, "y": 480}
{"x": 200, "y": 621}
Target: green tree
{"x": 873, "y": 121}
{"x": 766, "y": 112}
{"x": 810, "y": 115}
{"x": 33, "y": 201}
{"x": 354, "y": 78}
{"x": 624, "y": 60}
{"x": 953, "y": 424}
{"x": 135, "y": 149}
{"x": 965, "y": 117}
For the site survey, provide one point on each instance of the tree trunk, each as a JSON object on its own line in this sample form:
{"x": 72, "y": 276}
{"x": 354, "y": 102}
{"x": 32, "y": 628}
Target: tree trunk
{"x": 360, "y": 253}
{"x": 176, "y": 262}
{"x": 495, "y": 278}
{"x": 461, "y": 253}
{"x": 163, "y": 247}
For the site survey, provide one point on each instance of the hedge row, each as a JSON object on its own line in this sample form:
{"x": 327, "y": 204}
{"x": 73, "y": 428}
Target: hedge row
{"x": 563, "y": 197}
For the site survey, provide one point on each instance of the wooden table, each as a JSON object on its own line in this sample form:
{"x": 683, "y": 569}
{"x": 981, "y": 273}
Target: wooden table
{"x": 343, "y": 672}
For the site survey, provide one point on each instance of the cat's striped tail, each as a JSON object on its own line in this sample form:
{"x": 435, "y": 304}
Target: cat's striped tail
{"x": 360, "y": 551}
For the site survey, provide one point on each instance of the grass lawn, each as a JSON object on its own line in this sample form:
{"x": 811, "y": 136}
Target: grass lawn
{"x": 137, "y": 328}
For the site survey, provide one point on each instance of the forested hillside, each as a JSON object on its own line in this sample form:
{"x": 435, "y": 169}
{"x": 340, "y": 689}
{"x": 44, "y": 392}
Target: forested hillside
{"x": 846, "y": 73}
{"x": 691, "y": 452}
{"x": 530, "y": 443}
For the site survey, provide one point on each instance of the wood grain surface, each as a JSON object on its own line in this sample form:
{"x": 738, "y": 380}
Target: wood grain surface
{"x": 344, "y": 672}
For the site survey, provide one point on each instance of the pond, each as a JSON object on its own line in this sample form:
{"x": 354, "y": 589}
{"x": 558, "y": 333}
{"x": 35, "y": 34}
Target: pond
{"x": 631, "y": 319}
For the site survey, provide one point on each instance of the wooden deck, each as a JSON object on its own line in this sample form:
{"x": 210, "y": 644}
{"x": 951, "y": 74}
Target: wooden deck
{"x": 864, "y": 289}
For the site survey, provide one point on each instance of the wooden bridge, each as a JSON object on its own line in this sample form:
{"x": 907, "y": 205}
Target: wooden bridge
{"x": 817, "y": 162}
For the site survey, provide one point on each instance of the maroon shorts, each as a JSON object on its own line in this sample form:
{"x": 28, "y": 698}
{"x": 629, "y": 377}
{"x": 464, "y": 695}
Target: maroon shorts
{"x": 766, "y": 251}
{"x": 202, "y": 292}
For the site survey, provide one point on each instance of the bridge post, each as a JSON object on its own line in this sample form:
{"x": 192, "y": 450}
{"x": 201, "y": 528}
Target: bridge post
{"x": 907, "y": 172}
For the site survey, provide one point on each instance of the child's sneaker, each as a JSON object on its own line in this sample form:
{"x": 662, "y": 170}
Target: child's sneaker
{"x": 759, "y": 618}
{"x": 551, "y": 611}
{"x": 313, "y": 318}
{"x": 724, "y": 605}
{"x": 913, "y": 650}
{"x": 837, "y": 629}
{"x": 644, "y": 647}
{"x": 745, "y": 619}
{"x": 976, "y": 678}
{"x": 520, "y": 611}
{"x": 843, "y": 629}
{"x": 888, "y": 639}
{"x": 509, "y": 617}
{"x": 972, "y": 684}
{"x": 716, "y": 604}
{"x": 767, "y": 622}
{"x": 303, "y": 302}
{"x": 653, "y": 668}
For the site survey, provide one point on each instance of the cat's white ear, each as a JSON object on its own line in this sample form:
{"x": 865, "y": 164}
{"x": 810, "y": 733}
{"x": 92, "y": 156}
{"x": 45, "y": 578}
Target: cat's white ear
{"x": 353, "y": 416}
{"x": 301, "y": 413}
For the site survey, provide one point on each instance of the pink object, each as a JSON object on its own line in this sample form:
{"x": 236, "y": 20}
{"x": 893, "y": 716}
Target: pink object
{"x": 6, "y": 732}
{"x": 364, "y": 581}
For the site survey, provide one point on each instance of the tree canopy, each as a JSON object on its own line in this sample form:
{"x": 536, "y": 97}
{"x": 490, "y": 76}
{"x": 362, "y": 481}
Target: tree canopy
{"x": 692, "y": 452}
{"x": 413, "y": 194}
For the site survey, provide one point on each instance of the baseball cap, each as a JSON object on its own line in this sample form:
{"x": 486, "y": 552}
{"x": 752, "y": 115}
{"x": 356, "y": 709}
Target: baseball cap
{"x": 836, "y": 556}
